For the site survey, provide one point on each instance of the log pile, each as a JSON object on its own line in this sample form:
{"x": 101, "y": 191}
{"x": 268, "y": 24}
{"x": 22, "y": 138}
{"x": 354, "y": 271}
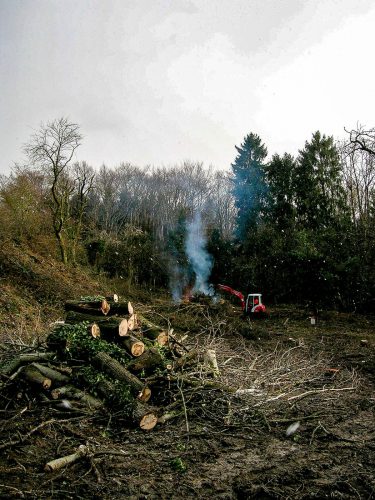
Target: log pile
{"x": 105, "y": 357}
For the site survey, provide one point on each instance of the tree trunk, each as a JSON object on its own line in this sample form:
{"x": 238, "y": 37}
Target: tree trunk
{"x": 56, "y": 377}
{"x": 117, "y": 371}
{"x": 143, "y": 415}
{"x": 70, "y": 391}
{"x": 90, "y": 307}
{"x": 148, "y": 361}
{"x": 24, "y": 359}
{"x": 153, "y": 332}
{"x": 121, "y": 308}
{"x": 62, "y": 246}
{"x": 31, "y": 374}
{"x": 110, "y": 327}
{"x": 133, "y": 345}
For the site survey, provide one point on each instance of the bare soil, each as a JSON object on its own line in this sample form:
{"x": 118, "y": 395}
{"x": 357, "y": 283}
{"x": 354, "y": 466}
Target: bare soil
{"x": 222, "y": 444}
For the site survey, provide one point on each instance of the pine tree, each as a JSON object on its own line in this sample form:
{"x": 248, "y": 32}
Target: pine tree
{"x": 280, "y": 206}
{"x": 249, "y": 186}
{"x": 319, "y": 192}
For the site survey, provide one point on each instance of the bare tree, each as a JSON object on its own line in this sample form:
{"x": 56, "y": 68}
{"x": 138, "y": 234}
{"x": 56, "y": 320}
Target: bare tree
{"x": 51, "y": 149}
{"x": 362, "y": 139}
{"x": 84, "y": 179}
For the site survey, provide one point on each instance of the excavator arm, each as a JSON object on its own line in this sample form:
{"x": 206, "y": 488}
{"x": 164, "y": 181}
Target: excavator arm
{"x": 234, "y": 292}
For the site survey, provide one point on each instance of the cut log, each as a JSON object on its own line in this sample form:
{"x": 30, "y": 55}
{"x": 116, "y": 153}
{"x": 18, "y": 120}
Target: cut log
{"x": 32, "y": 375}
{"x": 148, "y": 361}
{"x": 211, "y": 361}
{"x": 112, "y": 298}
{"x": 110, "y": 327}
{"x": 117, "y": 371}
{"x": 133, "y": 345}
{"x": 114, "y": 328}
{"x": 153, "y": 332}
{"x": 61, "y": 462}
{"x": 89, "y": 307}
{"x": 93, "y": 330}
{"x": 148, "y": 421}
{"x": 69, "y": 391}
{"x": 133, "y": 322}
{"x": 186, "y": 359}
{"x": 24, "y": 359}
{"x": 56, "y": 377}
{"x": 121, "y": 309}
{"x": 143, "y": 415}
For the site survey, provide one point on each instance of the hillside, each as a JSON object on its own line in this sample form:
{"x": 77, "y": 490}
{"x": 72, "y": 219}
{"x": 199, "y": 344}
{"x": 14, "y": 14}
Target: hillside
{"x": 34, "y": 287}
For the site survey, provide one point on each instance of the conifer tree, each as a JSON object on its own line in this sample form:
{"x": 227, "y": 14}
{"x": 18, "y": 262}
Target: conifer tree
{"x": 249, "y": 186}
{"x": 319, "y": 192}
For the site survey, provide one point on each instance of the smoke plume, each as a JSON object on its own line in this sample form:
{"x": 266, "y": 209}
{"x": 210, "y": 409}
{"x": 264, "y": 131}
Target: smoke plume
{"x": 200, "y": 260}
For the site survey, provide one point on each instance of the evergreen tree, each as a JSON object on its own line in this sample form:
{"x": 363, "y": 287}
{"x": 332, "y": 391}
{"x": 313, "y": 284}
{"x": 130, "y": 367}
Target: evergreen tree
{"x": 319, "y": 193}
{"x": 280, "y": 206}
{"x": 249, "y": 188}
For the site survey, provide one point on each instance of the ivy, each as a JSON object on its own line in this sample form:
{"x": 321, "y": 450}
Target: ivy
{"x": 74, "y": 342}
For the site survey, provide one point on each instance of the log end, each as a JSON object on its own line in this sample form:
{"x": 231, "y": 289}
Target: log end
{"x": 123, "y": 328}
{"x": 105, "y": 307}
{"x": 94, "y": 330}
{"x": 137, "y": 349}
{"x": 162, "y": 338}
{"x": 47, "y": 383}
{"x": 148, "y": 422}
{"x": 144, "y": 395}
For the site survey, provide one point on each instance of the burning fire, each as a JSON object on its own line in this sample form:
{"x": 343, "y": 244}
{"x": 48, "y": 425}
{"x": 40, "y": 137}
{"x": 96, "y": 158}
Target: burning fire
{"x": 187, "y": 294}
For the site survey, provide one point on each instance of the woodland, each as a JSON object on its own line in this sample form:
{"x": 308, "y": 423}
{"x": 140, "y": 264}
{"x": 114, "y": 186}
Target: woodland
{"x": 299, "y": 229}
{"x": 126, "y": 373}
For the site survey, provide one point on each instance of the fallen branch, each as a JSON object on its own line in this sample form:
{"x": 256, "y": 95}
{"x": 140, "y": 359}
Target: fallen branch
{"x": 21, "y": 439}
{"x": 24, "y": 359}
{"x": 319, "y": 391}
{"x": 72, "y": 392}
{"x": 119, "y": 372}
{"x": 61, "y": 462}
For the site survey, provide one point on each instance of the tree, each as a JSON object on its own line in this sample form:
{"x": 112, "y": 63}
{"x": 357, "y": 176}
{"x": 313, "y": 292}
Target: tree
{"x": 84, "y": 179}
{"x": 280, "y": 206}
{"x": 51, "y": 149}
{"x": 22, "y": 205}
{"x": 361, "y": 139}
{"x": 318, "y": 184}
{"x": 249, "y": 188}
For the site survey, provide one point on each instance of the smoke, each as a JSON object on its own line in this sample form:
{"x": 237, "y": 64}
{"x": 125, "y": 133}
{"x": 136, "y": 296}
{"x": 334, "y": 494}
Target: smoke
{"x": 190, "y": 264}
{"x": 199, "y": 259}
{"x": 178, "y": 281}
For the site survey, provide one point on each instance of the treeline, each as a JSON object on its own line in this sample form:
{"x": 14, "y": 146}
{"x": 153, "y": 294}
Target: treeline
{"x": 297, "y": 229}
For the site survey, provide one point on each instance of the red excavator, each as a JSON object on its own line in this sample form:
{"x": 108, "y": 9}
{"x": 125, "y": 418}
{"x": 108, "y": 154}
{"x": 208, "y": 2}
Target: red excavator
{"x": 252, "y": 306}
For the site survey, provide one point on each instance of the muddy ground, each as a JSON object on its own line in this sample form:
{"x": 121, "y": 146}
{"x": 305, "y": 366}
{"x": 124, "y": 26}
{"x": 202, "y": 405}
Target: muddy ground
{"x": 222, "y": 445}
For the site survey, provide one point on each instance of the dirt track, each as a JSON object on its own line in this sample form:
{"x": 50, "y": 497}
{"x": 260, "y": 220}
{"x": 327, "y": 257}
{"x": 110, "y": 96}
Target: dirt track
{"x": 235, "y": 446}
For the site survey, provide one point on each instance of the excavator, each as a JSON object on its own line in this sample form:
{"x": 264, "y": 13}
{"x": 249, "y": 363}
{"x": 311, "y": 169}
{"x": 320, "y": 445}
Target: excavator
{"x": 251, "y": 305}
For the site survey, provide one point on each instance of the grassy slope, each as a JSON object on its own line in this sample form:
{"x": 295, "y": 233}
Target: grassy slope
{"x": 34, "y": 288}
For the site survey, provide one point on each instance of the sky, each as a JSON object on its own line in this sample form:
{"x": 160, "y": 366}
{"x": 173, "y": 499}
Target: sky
{"x": 157, "y": 82}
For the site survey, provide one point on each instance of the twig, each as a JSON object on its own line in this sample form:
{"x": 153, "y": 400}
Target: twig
{"x": 319, "y": 426}
{"x": 319, "y": 391}
{"x": 12, "y": 488}
{"x": 23, "y": 438}
{"x": 184, "y": 406}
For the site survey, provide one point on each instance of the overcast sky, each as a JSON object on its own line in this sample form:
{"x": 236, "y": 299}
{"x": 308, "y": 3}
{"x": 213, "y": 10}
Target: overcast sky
{"x": 160, "y": 81}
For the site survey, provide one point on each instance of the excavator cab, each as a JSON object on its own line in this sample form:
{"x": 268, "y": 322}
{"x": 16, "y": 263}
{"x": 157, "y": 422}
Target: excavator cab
{"x": 254, "y": 304}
